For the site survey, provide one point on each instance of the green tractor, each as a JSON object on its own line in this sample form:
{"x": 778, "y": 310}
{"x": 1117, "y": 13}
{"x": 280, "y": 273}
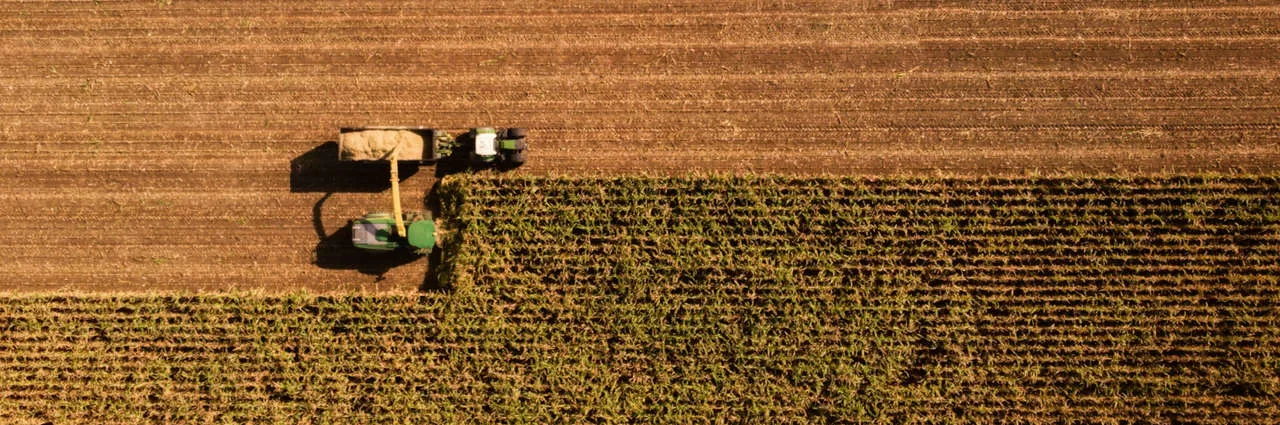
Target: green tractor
{"x": 505, "y": 148}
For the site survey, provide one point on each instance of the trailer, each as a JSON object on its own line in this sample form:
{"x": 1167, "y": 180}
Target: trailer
{"x": 479, "y": 147}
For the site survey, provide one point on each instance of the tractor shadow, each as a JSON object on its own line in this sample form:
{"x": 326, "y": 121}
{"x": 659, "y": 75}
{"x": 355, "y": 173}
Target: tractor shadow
{"x": 320, "y": 171}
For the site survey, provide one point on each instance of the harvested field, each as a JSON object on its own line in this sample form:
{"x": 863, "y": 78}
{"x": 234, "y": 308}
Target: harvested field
{"x": 706, "y": 300}
{"x": 148, "y": 145}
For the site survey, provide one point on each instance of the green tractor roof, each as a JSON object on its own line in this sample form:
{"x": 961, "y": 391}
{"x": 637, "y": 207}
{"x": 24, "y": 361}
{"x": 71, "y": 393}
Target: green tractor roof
{"x": 373, "y": 234}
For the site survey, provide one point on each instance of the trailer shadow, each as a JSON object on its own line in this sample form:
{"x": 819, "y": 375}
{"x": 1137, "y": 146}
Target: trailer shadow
{"x": 319, "y": 170}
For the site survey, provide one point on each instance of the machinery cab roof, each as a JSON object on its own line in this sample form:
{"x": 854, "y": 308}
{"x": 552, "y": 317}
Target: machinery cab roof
{"x": 486, "y": 142}
{"x": 374, "y": 232}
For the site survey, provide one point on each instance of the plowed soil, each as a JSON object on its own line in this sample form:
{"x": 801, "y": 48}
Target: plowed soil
{"x": 146, "y": 145}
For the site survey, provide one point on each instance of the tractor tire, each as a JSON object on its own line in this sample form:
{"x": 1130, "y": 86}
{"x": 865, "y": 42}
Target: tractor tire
{"x": 516, "y": 133}
{"x": 515, "y": 159}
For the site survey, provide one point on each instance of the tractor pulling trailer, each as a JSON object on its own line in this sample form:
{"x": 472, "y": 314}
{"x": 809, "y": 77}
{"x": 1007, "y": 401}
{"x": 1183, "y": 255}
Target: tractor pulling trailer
{"x": 482, "y": 147}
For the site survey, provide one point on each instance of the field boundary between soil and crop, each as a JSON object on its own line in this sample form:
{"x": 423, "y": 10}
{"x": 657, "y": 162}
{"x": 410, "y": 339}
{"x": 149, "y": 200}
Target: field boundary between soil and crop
{"x": 704, "y": 299}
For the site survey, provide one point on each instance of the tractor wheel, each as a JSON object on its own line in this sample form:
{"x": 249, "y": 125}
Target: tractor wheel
{"x": 516, "y": 158}
{"x": 516, "y": 133}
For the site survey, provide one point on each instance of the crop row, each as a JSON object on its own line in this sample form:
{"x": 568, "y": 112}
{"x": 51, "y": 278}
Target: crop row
{"x": 1008, "y": 295}
{"x": 680, "y": 300}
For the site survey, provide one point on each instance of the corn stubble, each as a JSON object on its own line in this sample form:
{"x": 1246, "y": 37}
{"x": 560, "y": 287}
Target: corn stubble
{"x": 725, "y": 299}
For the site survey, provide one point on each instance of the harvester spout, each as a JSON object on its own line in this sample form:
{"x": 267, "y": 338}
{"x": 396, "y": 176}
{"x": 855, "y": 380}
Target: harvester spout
{"x": 395, "y": 192}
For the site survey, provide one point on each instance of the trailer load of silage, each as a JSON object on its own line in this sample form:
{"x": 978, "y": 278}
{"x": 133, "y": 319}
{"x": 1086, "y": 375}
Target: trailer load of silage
{"x": 373, "y": 145}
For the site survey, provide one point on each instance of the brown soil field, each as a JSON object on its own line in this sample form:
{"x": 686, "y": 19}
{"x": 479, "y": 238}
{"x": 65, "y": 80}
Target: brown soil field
{"x": 181, "y": 145}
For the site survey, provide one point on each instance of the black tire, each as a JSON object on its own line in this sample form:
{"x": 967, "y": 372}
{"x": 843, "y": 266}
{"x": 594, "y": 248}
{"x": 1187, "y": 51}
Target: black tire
{"x": 516, "y": 133}
{"x": 515, "y": 158}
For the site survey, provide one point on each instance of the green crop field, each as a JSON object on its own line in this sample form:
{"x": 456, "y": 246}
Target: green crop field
{"x": 724, "y": 299}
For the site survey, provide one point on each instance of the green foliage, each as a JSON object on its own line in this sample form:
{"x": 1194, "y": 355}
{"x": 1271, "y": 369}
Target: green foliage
{"x": 723, "y": 299}
{"x": 848, "y": 299}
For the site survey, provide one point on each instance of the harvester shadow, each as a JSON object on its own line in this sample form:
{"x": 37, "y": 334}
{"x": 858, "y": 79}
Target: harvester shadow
{"x": 320, "y": 171}
{"x": 335, "y": 251}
